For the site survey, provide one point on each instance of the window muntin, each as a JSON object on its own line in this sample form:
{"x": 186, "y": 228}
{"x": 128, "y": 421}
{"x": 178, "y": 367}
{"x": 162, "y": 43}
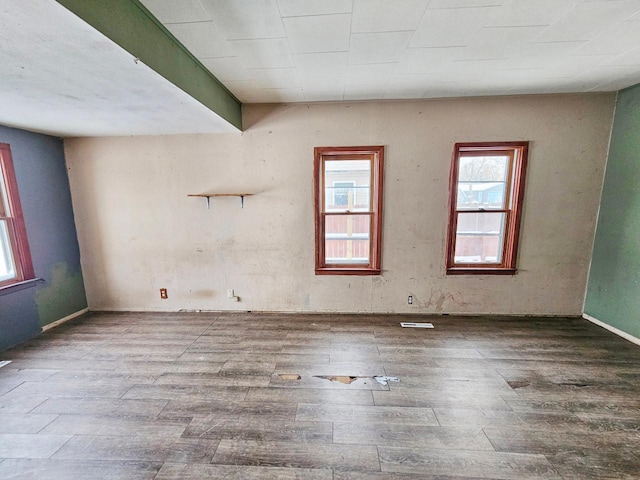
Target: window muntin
{"x": 487, "y": 187}
{"x": 348, "y": 199}
{"x": 15, "y": 259}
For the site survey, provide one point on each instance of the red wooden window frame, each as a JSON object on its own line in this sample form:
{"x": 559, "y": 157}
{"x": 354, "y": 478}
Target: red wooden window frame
{"x": 15, "y": 221}
{"x": 376, "y": 155}
{"x": 514, "y": 193}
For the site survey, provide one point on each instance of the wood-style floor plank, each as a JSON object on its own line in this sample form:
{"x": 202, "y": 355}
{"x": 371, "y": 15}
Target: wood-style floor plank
{"x": 115, "y": 425}
{"x": 309, "y": 395}
{"x": 297, "y": 455}
{"x": 15, "y": 445}
{"x": 452, "y": 417}
{"x": 417, "y": 436}
{"x": 101, "y": 406}
{"x": 593, "y": 463}
{"x": 263, "y": 429}
{"x": 17, "y": 403}
{"x": 434, "y": 399}
{"x": 553, "y": 440}
{"x": 212, "y": 410}
{"x": 366, "y": 414}
{"x": 52, "y": 469}
{"x": 146, "y": 448}
{"x": 24, "y": 423}
{"x": 186, "y": 391}
{"x": 213, "y": 379}
{"x": 467, "y": 463}
{"x": 79, "y": 389}
{"x": 182, "y": 471}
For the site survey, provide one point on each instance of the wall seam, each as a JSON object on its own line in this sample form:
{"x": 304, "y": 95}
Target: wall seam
{"x": 595, "y": 231}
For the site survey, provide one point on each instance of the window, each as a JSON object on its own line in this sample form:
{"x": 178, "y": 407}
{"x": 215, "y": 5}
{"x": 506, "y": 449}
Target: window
{"x": 15, "y": 259}
{"x": 348, "y": 205}
{"x": 486, "y": 193}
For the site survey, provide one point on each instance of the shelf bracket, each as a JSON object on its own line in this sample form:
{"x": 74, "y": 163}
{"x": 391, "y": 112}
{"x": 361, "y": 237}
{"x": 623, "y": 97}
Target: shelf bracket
{"x": 208, "y": 196}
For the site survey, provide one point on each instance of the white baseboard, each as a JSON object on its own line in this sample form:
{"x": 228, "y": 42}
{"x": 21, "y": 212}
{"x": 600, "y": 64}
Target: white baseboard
{"x": 51, "y": 325}
{"x": 618, "y": 332}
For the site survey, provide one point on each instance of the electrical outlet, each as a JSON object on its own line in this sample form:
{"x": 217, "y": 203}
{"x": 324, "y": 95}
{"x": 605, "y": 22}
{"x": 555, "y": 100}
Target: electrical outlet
{"x": 163, "y": 293}
{"x": 410, "y": 299}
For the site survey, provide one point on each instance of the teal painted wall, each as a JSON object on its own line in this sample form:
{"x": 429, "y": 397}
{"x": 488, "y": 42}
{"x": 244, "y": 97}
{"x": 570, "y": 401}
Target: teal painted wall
{"x": 45, "y": 197}
{"x": 613, "y": 290}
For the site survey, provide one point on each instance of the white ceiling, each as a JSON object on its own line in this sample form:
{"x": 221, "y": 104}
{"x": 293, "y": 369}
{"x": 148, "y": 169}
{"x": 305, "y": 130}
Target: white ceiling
{"x": 333, "y": 50}
{"x": 61, "y": 76}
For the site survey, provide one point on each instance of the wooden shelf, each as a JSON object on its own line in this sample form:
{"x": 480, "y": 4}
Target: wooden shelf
{"x": 209, "y": 195}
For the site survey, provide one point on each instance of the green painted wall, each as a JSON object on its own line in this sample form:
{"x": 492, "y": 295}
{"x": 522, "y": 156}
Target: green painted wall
{"x": 129, "y": 24}
{"x": 64, "y": 289}
{"x": 613, "y": 291}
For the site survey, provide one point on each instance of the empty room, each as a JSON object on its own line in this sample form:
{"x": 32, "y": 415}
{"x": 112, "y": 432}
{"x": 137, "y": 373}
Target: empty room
{"x": 338, "y": 239}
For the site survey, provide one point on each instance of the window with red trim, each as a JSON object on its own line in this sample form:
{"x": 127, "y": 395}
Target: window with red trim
{"x": 15, "y": 259}
{"x": 486, "y": 194}
{"x": 348, "y": 209}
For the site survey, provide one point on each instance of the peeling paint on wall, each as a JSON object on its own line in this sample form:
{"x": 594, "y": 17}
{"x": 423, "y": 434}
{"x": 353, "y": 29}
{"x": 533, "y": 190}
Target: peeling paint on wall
{"x": 62, "y": 295}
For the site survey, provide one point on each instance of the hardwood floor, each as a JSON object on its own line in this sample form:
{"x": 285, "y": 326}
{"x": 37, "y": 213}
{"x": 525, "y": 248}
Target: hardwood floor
{"x": 175, "y": 396}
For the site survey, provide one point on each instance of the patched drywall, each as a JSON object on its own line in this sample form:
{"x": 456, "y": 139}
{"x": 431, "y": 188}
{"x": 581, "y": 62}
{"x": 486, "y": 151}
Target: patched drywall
{"x": 613, "y": 293}
{"x": 63, "y": 293}
{"x": 139, "y": 231}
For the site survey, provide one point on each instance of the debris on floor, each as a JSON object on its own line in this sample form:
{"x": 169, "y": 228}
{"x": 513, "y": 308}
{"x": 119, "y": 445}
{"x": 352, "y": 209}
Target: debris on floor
{"x": 289, "y": 376}
{"x": 347, "y": 380}
{"x": 384, "y": 379}
{"x": 4, "y": 362}
{"x": 515, "y": 384}
{"x": 416, "y": 325}
{"x": 574, "y": 384}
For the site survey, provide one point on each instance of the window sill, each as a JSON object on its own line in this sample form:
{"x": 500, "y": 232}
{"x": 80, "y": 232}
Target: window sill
{"x": 347, "y": 271}
{"x": 16, "y": 287}
{"x": 480, "y": 271}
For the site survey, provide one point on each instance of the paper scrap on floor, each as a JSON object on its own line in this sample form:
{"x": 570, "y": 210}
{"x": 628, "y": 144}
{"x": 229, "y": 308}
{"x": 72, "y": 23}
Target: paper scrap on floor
{"x": 385, "y": 379}
{"x": 416, "y": 325}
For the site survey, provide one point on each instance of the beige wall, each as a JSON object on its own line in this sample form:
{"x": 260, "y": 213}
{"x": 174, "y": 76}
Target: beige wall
{"x": 139, "y": 231}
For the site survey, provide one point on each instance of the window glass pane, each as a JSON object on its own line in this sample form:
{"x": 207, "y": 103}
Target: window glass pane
{"x": 483, "y": 169}
{"x": 7, "y": 265}
{"x": 485, "y": 195}
{"x": 482, "y": 182}
{"x": 347, "y": 185}
{"x": 4, "y": 207}
{"x": 480, "y": 237}
{"x": 347, "y": 239}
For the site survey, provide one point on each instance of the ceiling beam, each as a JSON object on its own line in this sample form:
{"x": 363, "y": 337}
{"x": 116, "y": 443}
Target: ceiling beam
{"x": 129, "y": 24}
